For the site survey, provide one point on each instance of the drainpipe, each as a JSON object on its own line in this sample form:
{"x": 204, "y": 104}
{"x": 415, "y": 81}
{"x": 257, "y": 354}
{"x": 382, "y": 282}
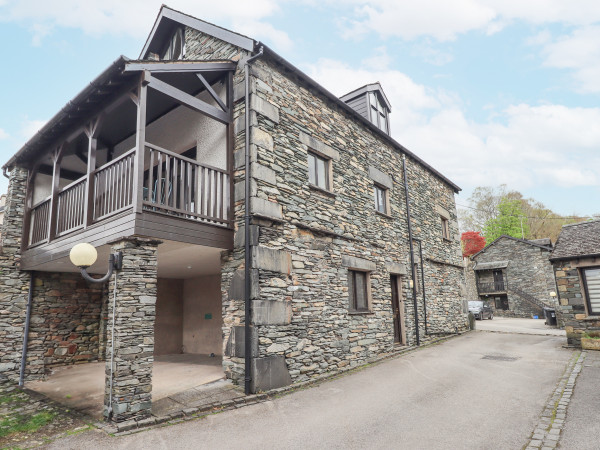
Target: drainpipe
{"x": 26, "y": 332}
{"x": 247, "y": 256}
{"x": 412, "y": 255}
{"x": 423, "y": 283}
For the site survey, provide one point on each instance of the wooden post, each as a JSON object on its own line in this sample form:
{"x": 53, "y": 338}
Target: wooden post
{"x": 230, "y": 150}
{"x": 88, "y": 205}
{"x": 140, "y": 143}
{"x": 28, "y": 205}
{"x": 53, "y": 217}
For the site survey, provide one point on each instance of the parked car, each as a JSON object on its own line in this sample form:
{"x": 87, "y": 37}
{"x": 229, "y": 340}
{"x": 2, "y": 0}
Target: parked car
{"x": 481, "y": 309}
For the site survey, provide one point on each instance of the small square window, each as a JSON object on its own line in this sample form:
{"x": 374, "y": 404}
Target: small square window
{"x": 318, "y": 171}
{"x": 380, "y": 199}
{"x": 591, "y": 282}
{"x": 445, "y": 228}
{"x": 358, "y": 287}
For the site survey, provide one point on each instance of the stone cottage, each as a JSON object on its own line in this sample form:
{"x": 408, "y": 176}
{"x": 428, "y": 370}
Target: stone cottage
{"x": 515, "y": 276}
{"x": 576, "y": 261}
{"x": 338, "y": 246}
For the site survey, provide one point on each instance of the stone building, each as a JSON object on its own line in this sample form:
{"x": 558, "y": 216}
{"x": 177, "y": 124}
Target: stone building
{"x": 576, "y": 261}
{"x": 150, "y": 161}
{"x": 515, "y": 276}
{"x": 2, "y": 206}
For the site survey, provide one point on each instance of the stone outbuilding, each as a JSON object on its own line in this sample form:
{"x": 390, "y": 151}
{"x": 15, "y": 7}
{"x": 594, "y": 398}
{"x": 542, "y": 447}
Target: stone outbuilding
{"x": 576, "y": 261}
{"x": 261, "y": 220}
{"x": 515, "y": 276}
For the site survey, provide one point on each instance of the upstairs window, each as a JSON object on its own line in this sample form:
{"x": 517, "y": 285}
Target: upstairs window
{"x": 380, "y": 199}
{"x": 175, "y": 47}
{"x": 318, "y": 171}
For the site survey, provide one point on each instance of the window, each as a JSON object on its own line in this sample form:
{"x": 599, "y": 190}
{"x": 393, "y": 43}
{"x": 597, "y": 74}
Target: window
{"x": 445, "y": 228}
{"x": 380, "y": 199}
{"x": 358, "y": 289}
{"x": 378, "y": 114}
{"x": 591, "y": 282}
{"x": 318, "y": 171}
{"x": 175, "y": 48}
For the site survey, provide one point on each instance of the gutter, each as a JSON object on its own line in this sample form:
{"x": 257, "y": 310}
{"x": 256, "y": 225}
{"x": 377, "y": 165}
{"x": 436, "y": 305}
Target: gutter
{"x": 26, "y": 332}
{"x": 412, "y": 255}
{"x": 247, "y": 216}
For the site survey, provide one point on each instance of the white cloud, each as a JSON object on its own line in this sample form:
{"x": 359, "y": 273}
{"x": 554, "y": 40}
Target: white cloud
{"x": 444, "y": 20}
{"x": 133, "y": 17}
{"x": 580, "y": 52}
{"x": 3, "y": 134}
{"x": 261, "y": 30}
{"x": 524, "y": 146}
{"x": 30, "y": 127}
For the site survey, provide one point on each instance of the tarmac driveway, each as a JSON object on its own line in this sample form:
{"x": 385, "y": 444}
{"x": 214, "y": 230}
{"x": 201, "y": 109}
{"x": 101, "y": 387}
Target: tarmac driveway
{"x": 481, "y": 390}
{"x": 518, "y": 325}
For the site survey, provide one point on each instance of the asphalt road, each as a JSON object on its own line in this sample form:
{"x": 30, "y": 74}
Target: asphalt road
{"x": 478, "y": 391}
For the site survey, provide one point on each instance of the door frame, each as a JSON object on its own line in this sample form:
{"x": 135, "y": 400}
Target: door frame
{"x": 398, "y": 320}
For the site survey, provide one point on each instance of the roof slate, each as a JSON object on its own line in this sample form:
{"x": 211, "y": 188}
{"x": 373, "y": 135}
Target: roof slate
{"x": 578, "y": 240}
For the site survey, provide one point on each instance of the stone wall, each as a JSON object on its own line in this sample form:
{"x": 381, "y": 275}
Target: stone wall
{"x": 572, "y": 311}
{"x": 134, "y": 330}
{"x": 528, "y": 270}
{"x": 470, "y": 280}
{"x": 14, "y": 284}
{"x": 65, "y": 323}
{"x": 305, "y": 240}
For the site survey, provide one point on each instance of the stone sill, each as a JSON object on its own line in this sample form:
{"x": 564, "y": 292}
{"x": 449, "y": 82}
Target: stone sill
{"x": 322, "y": 191}
{"x": 360, "y": 313}
{"x": 387, "y": 216}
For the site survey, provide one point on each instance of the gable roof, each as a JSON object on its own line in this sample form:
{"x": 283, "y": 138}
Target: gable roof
{"x": 167, "y": 16}
{"x": 523, "y": 241}
{"x": 577, "y": 240}
{"x": 367, "y": 88}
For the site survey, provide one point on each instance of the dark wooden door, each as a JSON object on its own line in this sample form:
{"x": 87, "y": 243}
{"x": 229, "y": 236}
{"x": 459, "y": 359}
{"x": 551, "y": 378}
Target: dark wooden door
{"x": 396, "y": 304}
{"x": 498, "y": 281}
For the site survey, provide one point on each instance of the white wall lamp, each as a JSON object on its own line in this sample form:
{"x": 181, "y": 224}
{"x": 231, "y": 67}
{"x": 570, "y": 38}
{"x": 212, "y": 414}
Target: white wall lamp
{"x": 552, "y": 294}
{"x": 83, "y": 255}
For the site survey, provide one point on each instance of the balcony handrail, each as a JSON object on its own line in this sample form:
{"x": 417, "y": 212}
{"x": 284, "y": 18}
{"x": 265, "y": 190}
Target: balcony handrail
{"x": 70, "y": 185}
{"x": 185, "y": 158}
{"x": 114, "y": 161}
{"x": 47, "y": 199}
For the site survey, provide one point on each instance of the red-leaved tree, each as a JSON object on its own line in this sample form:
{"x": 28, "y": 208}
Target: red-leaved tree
{"x": 471, "y": 242}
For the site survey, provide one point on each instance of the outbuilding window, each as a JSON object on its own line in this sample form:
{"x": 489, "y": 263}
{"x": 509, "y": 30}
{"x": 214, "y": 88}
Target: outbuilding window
{"x": 591, "y": 282}
{"x": 358, "y": 287}
{"x": 445, "y": 228}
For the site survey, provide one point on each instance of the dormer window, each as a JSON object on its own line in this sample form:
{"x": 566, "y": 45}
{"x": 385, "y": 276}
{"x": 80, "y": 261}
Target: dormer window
{"x": 176, "y": 47}
{"x": 370, "y": 102}
{"x": 378, "y": 113}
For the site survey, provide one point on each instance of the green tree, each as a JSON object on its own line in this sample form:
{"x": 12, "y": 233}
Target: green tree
{"x": 511, "y": 221}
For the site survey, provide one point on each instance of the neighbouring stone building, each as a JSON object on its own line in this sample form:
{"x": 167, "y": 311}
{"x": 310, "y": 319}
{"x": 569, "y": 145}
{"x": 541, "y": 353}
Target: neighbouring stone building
{"x": 515, "y": 276}
{"x": 576, "y": 261}
{"x": 150, "y": 161}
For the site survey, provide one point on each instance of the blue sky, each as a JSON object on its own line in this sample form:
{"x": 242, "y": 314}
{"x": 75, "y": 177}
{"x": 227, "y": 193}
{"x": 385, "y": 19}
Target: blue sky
{"x": 487, "y": 91}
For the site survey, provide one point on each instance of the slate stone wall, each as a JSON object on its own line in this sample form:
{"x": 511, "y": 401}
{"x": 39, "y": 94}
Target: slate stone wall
{"x": 572, "y": 312}
{"x": 14, "y": 284}
{"x": 66, "y": 322}
{"x": 529, "y": 270}
{"x": 134, "y": 330}
{"x": 304, "y": 240}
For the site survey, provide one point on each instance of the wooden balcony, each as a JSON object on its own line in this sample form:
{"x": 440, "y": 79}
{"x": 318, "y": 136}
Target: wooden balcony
{"x": 163, "y": 187}
{"x": 492, "y": 287}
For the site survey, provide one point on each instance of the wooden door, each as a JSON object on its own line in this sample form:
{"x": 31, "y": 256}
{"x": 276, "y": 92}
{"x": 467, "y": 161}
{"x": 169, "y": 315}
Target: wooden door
{"x": 397, "y": 310}
{"x": 498, "y": 281}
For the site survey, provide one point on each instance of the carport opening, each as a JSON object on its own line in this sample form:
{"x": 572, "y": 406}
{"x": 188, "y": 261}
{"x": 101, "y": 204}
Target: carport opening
{"x": 67, "y": 349}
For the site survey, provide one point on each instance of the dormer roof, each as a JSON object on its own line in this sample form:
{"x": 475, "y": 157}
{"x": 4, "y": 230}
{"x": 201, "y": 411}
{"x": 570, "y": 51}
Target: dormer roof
{"x": 373, "y": 87}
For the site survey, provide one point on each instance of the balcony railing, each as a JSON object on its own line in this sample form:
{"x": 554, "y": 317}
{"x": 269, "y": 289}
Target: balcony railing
{"x": 493, "y": 286}
{"x": 183, "y": 187}
{"x": 173, "y": 185}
